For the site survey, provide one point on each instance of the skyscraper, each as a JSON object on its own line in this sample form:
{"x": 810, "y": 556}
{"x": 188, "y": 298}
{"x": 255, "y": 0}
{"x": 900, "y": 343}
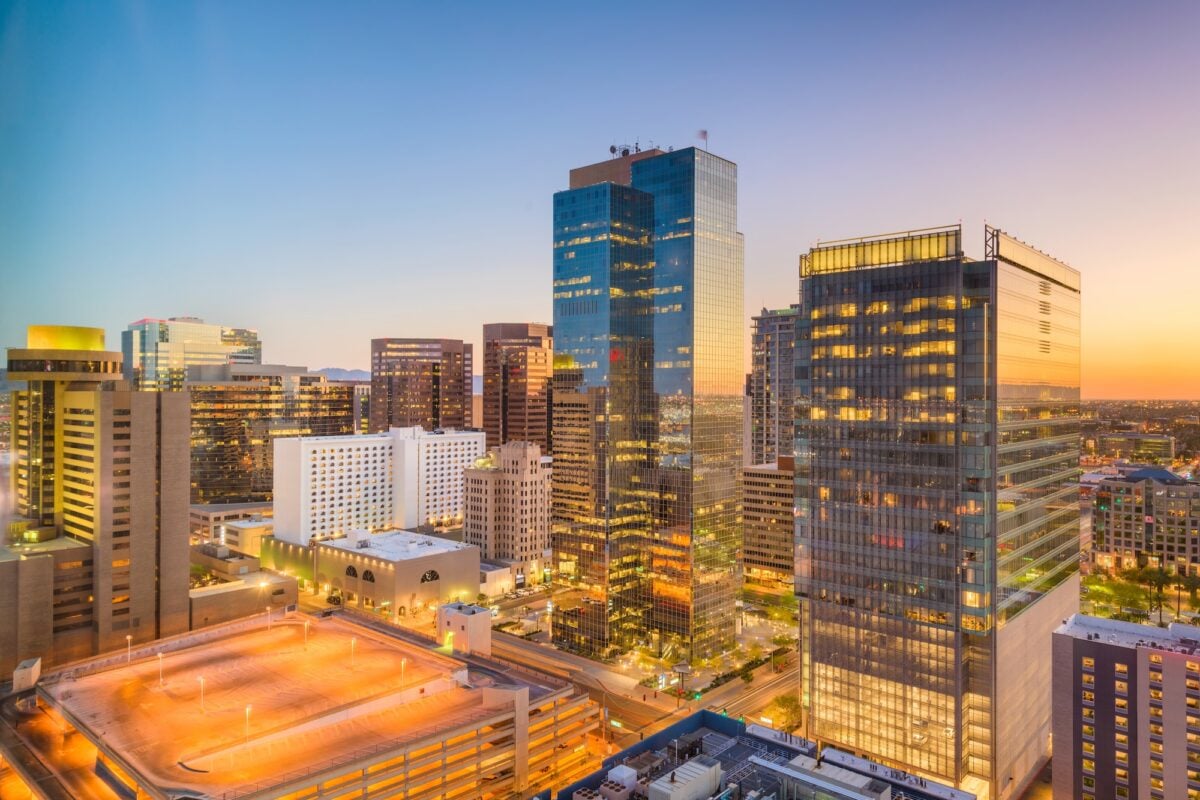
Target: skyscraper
{"x": 937, "y": 462}
{"x": 424, "y": 382}
{"x": 648, "y": 332}
{"x": 101, "y": 550}
{"x": 518, "y": 361}
{"x": 158, "y": 352}
{"x": 239, "y": 410}
{"x": 771, "y": 384}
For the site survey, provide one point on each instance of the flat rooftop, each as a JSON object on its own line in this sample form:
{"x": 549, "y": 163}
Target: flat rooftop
{"x": 394, "y": 545}
{"x": 15, "y": 551}
{"x": 1177, "y": 636}
{"x": 278, "y": 705}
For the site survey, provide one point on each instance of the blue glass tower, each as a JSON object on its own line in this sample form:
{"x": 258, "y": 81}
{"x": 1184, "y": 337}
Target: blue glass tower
{"x": 657, "y": 554}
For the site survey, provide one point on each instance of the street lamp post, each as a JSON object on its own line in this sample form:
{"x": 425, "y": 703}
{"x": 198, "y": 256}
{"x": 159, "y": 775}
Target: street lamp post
{"x": 128, "y": 648}
{"x": 403, "y": 666}
{"x": 247, "y": 722}
{"x": 160, "y": 679}
{"x": 353, "y": 643}
{"x": 306, "y": 634}
{"x": 268, "y": 618}
{"x": 201, "y": 694}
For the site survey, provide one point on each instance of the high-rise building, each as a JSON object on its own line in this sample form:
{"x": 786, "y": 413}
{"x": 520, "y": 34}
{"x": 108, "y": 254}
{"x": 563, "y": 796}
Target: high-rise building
{"x": 518, "y": 362}
{"x": 1126, "y": 710}
{"x": 771, "y": 384}
{"x": 768, "y": 554}
{"x": 1147, "y": 517}
{"x": 158, "y": 352}
{"x": 327, "y": 486}
{"x": 937, "y": 466}
{"x": 648, "y": 359}
{"x": 425, "y": 382}
{"x": 239, "y": 410}
{"x": 507, "y": 508}
{"x": 100, "y": 550}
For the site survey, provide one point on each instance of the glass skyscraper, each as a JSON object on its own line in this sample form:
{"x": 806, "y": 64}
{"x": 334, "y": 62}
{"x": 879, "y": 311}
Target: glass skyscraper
{"x": 648, "y": 328}
{"x": 158, "y": 352}
{"x": 772, "y": 381}
{"x": 937, "y": 462}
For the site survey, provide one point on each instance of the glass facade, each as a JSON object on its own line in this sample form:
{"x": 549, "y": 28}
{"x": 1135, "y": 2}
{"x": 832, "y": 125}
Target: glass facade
{"x": 937, "y": 455}
{"x": 426, "y": 382}
{"x": 648, "y": 407}
{"x": 239, "y": 412}
{"x": 158, "y": 352}
{"x": 518, "y": 362}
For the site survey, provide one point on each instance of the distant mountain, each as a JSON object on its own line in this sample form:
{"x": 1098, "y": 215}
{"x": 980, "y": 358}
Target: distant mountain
{"x": 337, "y": 374}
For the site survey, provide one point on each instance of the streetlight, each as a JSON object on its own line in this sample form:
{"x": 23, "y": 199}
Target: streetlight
{"x": 247, "y": 722}
{"x": 353, "y": 642}
{"x": 201, "y": 694}
{"x": 268, "y": 618}
{"x": 160, "y": 680}
{"x": 128, "y": 648}
{"x": 306, "y": 634}
{"x": 403, "y": 665}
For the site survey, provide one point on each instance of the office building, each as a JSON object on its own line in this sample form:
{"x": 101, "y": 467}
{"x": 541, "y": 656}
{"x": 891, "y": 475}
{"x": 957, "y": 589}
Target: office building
{"x": 648, "y": 343}
{"x": 507, "y": 509}
{"x": 239, "y": 410}
{"x": 99, "y": 551}
{"x": 158, "y": 352}
{"x": 304, "y": 707}
{"x": 1142, "y": 448}
{"x": 1126, "y": 710}
{"x": 326, "y": 486}
{"x": 425, "y": 382}
{"x": 768, "y": 554}
{"x": 1147, "y": 517}
{"x": 710, "y": 755}
{"x": 518, "y": 362}
{"x": 771, "y": 384}
{"x": 937, "y": 467}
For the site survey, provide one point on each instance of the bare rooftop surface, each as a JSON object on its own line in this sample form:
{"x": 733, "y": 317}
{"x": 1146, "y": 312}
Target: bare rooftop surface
{"x": 349, "y": 692}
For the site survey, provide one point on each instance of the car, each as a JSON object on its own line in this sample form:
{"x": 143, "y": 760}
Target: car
{"x": 334, "y": 600}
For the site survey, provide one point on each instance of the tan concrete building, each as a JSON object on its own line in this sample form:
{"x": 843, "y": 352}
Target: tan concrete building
{"x": 518, "y": 364}
{"x": 227, "y": 585}
{"x": 395, "y": 572}
{"x": 507, "y": 509}
{"x": 104, "y": 471}
{"x": 767, "y": 510}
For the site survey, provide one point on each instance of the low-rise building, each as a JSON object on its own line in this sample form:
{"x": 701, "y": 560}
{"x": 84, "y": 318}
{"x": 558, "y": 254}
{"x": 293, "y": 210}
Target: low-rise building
{"x": 395, "y": 573}
{"x": 228, "y": 585}
{"x": 708, "y": 755}
{"x": 302, "y": 707}
{"x": 206, "y": 519}
{"x": 1126, "y": 710}
{"x": 1145, "y": 448}
{"x": 1149, "y": 516}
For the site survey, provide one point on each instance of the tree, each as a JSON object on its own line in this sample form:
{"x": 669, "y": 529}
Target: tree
{"x": 747, "y": 676}
{"x": 1155, "y": 579}
{"x": 788, "y": 711}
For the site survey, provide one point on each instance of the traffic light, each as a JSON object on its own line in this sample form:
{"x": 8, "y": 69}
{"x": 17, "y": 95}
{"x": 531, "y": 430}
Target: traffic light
{"x": 696, "y": 696}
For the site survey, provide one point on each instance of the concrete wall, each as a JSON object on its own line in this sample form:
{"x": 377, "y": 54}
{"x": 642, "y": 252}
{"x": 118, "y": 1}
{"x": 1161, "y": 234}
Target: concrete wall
{"x": 26, "y": 586}
{"x": 1023, "y": 699}
{"x": 213, "y": 605}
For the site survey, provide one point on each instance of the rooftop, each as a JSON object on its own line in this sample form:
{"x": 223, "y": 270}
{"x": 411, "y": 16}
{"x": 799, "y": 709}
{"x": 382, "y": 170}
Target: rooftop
{"x": 1176, "y": 637}
{"x": 12, "y": 552}
{"x": 280, "y": 704}
{"x": 393, "y": 546}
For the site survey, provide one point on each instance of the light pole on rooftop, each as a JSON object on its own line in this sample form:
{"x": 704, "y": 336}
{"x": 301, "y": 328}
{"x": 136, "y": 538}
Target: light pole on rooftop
{"x": 247, "y": 722}
{"x": 160, "y": 680}
{"x": 268, "y": 618}
{"x": 128, "y": 648}
{"x": 201, "y": 694}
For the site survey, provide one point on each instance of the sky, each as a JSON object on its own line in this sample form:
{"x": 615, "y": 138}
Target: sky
{"x": 328, "y": 173}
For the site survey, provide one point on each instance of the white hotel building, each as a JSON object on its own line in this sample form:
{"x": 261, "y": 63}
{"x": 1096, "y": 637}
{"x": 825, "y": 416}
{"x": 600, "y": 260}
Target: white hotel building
{"x": 326, "y": 486}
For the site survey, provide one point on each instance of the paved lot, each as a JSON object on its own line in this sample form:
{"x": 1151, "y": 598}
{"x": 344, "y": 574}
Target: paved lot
{"x": 309, "y": 704}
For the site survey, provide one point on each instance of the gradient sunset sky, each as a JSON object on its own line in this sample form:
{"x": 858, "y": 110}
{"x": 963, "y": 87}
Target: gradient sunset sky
{"x": 329, "y": 173}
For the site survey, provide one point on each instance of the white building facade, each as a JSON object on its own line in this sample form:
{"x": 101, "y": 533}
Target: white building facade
{"x": 326, "y": 486}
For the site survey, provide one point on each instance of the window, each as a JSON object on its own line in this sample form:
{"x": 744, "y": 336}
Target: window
{"x": 351, "y": 572}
